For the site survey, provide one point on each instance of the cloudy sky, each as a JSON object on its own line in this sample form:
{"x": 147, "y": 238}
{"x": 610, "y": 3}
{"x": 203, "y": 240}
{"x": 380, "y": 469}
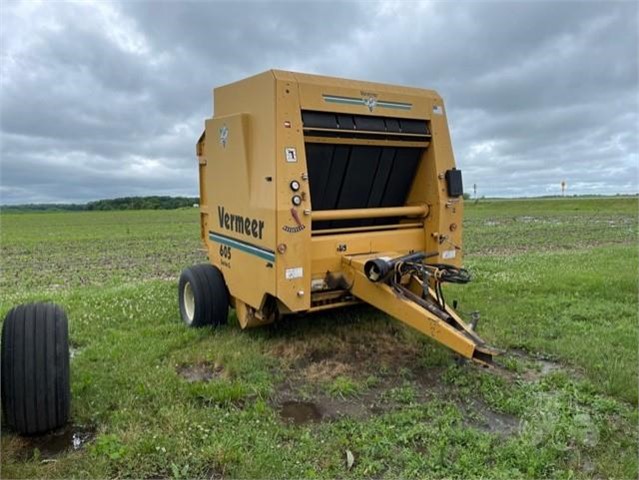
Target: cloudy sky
{"x": 101, "y": 99}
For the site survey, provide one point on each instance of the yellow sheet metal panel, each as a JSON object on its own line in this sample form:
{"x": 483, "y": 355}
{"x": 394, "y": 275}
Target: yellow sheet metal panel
{"x": 240, "y": 213}
{"x": 443, "y": 225}
{"x": 323, "y": 93}
{"x": 293, "y": 266}
{"x": 328, "y": 250}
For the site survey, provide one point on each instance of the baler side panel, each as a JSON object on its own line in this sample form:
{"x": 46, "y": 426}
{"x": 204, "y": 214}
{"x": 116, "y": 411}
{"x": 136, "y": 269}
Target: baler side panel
{"x": 237, "y": 232}
{"x": 293, "y": 267}
{"x": 239, "y": 185}
{"x": 204, "y": 209}
{"x": 443, "y": 225}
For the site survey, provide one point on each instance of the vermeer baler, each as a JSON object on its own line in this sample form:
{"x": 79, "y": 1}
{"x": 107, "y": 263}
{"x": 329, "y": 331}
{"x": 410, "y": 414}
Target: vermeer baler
{"x": 319, "y": 193}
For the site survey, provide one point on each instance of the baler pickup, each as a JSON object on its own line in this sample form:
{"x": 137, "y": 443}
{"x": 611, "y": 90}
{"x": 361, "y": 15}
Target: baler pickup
{"x": 410, "y": 291}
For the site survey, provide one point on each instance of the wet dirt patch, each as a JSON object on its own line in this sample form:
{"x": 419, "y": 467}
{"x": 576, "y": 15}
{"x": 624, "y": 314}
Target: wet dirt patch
{"x": 352, "y": 354}
{"x": 200, "y": 372}
{"x": 546, "y": 367}
{"x": 305, "y": 396}
{"x": 51, "y": 445}
{"x": 533, "y": 367}
{"x": 366, "y": 374}
{"x": 355, "y": 373}
{"x": 323, "y": 408}
{"x": 483, "y": 418}
{"x": 299, "y": 413}
{"x": 390, "y": 391}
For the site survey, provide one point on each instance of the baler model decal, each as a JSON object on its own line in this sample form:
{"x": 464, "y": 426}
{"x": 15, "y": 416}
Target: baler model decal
{"x": 367, "y": 102}
{"x": 243, "y": 246}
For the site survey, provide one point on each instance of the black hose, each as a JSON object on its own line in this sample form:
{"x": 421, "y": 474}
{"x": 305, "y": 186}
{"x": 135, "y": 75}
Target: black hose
{"x": 451, "y": 274}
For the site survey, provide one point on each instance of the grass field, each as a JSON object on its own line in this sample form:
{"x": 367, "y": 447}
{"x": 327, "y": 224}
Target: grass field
{"x": 556, "y": 283}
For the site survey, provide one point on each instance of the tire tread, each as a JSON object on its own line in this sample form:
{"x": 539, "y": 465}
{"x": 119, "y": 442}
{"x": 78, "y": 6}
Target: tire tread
{"x": 35, "y": 368}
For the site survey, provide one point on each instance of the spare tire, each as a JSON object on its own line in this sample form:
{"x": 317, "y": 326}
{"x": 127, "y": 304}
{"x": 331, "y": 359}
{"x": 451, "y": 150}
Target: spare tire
{"x": 36, "y": 393}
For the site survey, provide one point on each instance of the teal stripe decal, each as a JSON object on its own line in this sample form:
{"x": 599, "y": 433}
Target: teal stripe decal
{"x": 351, "y": 101}
{"x": 243, "y": 246}
{"x": 401, "y": 106}
{"x": 363, "y": 102}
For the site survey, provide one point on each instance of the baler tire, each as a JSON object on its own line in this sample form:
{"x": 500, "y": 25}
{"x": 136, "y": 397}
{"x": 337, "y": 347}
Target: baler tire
{"x": 36, "y": 390}
{"x": 210, "y": 298}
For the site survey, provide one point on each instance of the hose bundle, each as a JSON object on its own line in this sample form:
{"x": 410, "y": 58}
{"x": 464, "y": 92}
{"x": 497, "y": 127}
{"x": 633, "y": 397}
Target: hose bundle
{"x": 438, "y": 272}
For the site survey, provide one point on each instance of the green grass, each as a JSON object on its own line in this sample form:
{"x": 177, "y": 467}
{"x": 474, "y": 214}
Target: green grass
{"x": 554, "y": 278}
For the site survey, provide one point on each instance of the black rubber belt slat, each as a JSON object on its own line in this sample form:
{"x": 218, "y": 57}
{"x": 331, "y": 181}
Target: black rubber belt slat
{"x": 358, "y": 178}
{"x": 413, "y": 126}
{"x": 319, "y": 119}
{"x": 341, "y": 185}
{"x": 371, "y": 124}
{"x": 319, "y": 158}
{"x": 378, "y": 185}
{"x": 339, "y": 161}
{"x": 345, "y": 122}
{"x": 392, "y": 125}
{"x": 400, "y": 178}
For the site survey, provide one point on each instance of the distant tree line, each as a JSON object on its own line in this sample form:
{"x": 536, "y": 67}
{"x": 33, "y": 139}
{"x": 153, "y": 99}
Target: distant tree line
{"x": 142, "y": 203}
{"x": 124, "y": 203}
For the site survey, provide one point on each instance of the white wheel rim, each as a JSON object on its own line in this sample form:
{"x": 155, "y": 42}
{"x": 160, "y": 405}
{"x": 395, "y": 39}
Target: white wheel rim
{"x": 189, "y": 302}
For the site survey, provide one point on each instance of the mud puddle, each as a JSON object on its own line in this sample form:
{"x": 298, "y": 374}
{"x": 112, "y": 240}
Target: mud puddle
{"x": 50, "y": 445}
{"x": 200, "y": 372}
{"x": 299, "y": 413}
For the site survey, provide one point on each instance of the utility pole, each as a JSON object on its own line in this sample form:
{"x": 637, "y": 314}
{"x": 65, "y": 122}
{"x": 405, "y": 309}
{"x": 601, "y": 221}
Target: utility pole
{"x": 475, "y": 192}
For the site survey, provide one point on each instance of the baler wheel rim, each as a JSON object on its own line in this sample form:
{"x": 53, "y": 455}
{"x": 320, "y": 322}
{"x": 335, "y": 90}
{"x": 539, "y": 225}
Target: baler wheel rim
{"x": 189, "y": 301}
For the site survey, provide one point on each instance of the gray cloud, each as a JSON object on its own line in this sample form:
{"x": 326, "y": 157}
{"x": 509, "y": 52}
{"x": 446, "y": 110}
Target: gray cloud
{"x": 107, "y": 99}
